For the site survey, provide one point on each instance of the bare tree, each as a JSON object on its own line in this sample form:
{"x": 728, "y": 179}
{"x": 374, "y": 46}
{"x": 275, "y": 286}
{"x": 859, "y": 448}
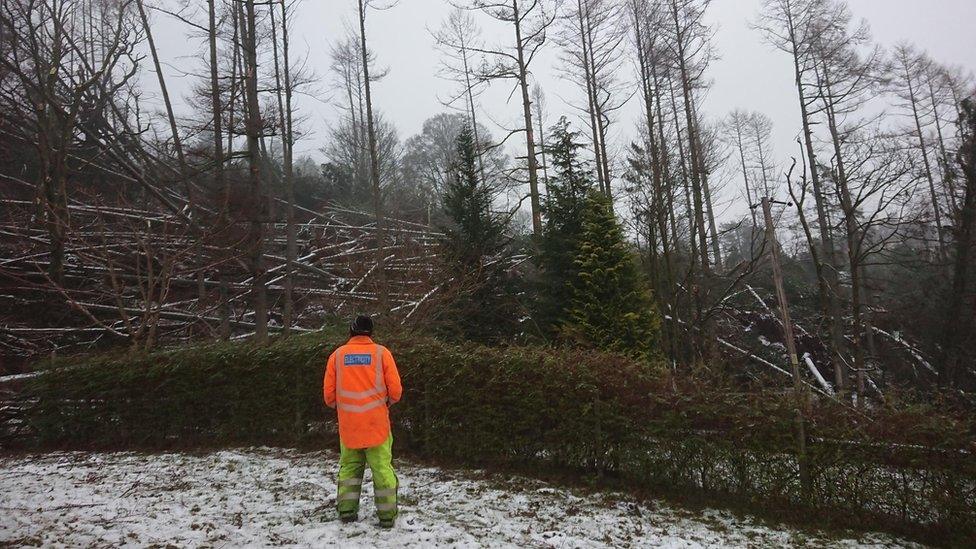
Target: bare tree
{"x": 530, "y": 24}
{"x": 872, "y": 192}
{"x": 659, "y": 207}
{"x": 374, "y": 164}
{"x": 736, "y": 128}
{"x": 760, "y": 132}
{"x": 430, "y": 157}
{"x": 458, "y": 37}
{"x": 257, "y": 209}
{"x": 939, "y": 91}
{"x": 791, "y": 26}
{"x": 286, "y": 123}
{"x": 347, "y": 68}
{"x": 688, "y": 39}
{"x": 539, "y": 102}
{"x": 170, "y": 115}
{"x": 591, "y": 37}
{"x": 847, "y": 77}
{"x": 912, "y": 67}
{"x": 96, "y": 220}
{"x": 55, "y": 83}
{"x": 217, "y": 111}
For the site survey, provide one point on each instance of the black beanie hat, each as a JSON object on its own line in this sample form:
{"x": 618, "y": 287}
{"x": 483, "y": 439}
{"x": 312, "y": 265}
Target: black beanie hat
{"x": 363, "y": 325}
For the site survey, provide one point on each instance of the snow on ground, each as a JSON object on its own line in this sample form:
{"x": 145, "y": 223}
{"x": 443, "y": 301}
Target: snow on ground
{"x": 264, "y": 496}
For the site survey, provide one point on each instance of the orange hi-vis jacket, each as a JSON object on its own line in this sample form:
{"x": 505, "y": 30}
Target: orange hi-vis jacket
{"x": 360, "y": 381}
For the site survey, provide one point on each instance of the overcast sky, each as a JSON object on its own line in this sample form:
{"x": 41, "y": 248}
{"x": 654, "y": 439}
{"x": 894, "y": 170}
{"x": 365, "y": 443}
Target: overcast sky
{"x": 749, "y": 75}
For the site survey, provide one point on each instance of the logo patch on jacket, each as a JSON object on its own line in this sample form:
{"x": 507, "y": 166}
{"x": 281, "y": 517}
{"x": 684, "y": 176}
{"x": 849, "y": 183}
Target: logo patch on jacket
{"x": 357, "y": 360}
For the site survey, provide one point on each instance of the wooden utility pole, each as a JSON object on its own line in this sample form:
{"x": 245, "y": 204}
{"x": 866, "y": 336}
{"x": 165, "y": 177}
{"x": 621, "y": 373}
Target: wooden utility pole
{"x": 799, "y": 392}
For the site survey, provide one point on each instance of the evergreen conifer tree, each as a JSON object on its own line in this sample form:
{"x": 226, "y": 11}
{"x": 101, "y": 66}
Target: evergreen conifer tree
{"x": 611, "y": 307}
{"x": 475, "y": 247}
{"x": 571, "y": 180}
{"x": 473, "y": 232}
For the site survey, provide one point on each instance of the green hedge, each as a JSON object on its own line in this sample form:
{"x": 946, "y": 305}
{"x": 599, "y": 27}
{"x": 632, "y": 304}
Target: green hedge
{"x": 906, "y": 467}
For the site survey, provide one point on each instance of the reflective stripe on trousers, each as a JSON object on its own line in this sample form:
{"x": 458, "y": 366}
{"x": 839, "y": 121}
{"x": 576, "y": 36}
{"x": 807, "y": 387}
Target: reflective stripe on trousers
{"x": 386, "y": 499}
{"x": 352, "y": 466}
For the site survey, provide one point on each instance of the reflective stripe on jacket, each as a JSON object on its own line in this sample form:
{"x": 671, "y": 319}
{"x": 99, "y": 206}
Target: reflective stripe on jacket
{"x": 360, "y": 380}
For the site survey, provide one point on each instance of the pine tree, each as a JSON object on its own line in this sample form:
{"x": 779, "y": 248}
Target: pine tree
{"x": 611, "y": 308}
{"x": 571, "y": 180}
{"x": 475, "y": 247}
{"x": 474, "y": 232}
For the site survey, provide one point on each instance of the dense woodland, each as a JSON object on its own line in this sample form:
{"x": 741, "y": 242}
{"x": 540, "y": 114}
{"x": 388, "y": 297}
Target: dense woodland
{"x": 850, "y": 273}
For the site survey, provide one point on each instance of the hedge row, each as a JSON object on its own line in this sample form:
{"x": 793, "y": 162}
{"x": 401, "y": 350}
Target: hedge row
{"x": 910, "y": 467}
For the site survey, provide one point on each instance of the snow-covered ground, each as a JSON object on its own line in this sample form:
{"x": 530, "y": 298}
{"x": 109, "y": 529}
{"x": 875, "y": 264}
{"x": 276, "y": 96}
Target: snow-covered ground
{"x": 264, "y": 496}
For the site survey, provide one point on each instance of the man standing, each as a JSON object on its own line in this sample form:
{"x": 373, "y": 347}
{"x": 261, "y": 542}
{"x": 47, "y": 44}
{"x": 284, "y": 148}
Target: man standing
{"x": 361, "y": 381}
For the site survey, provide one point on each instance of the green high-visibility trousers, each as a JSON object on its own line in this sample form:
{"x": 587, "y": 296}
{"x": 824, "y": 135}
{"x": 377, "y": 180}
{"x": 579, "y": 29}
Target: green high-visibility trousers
{"x": 352, "y": 466}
